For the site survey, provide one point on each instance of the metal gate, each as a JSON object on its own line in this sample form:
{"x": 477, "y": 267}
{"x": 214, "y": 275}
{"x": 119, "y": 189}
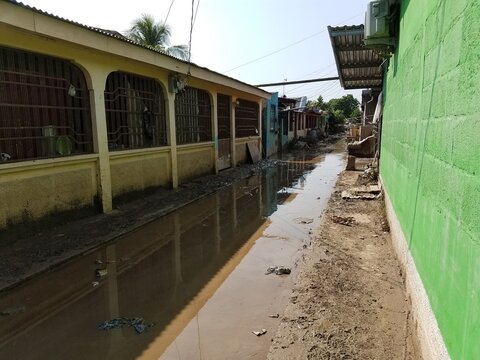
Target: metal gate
{"x": 224, "y": 141}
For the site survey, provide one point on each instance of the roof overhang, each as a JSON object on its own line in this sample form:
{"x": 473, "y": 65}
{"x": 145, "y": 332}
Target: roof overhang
{"x": 357, "y": 66}
{"x": 15, "y": 14}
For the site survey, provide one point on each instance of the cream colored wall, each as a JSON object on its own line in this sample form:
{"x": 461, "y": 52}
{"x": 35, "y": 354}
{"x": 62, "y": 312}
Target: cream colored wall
{"x": 34, "y": 189}
{"x": 106, "y": 174}
{"x": 194, "y": 161}
{"x": 139, "y": 170}
{"x": 241, "y": 152}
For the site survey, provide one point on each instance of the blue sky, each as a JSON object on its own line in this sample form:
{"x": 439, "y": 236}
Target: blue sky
{"x": 228, "y": 34}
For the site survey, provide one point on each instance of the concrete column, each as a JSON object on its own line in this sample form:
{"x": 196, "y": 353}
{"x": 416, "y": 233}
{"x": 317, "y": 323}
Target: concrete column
{"x": 172, "y": 136}
{"x": 260, "y": 110}
{"x": 233, "y": 151}
{"x": 100, "y": 138}
{"x": 215, "y": 128}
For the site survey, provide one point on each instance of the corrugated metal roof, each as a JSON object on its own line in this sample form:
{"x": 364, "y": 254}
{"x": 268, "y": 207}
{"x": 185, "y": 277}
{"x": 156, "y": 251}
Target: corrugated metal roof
{"x": 119, "y": 36}
{"x": 358, "y": 67}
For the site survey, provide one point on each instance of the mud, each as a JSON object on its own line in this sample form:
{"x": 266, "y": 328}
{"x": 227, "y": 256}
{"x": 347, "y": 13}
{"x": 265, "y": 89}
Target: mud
{"x": 184, "y": 271}
{"x": 349, "y": 300}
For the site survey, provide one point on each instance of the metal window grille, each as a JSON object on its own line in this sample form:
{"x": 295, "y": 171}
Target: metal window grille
{"x": 193, "y": 116}
{"x": 246, "y": 119}
{"x": 44, "y": 107}
{"x": 223, "y": 116}
{"x": 135, "y": 112}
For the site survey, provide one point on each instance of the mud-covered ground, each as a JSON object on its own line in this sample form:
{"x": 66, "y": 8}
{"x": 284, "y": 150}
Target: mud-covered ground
{"x": 31, "y": 253}
{"x": 349, "y": 299}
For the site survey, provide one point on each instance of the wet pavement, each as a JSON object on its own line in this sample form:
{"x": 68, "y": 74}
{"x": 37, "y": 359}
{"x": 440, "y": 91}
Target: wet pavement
{"x": 197, "y": 275}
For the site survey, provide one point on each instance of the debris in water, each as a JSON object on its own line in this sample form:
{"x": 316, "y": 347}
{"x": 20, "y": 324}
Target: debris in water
{"x": 98, "y": 262}
{"x": 13, "y": 311}
{"x": 101, "y": 273}
{"x": 117, "y": 323}
{"x": 261, "y": 332}
{"x": 274, "y": 316}
{"x": 344, "y": 220}
{"x": 278, "y": 270}
{"x": 95, "y": 283}
{"x": 302, "y": 220}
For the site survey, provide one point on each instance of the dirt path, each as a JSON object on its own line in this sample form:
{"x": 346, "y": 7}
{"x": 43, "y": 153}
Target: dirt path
{"x": 349, "y": 300}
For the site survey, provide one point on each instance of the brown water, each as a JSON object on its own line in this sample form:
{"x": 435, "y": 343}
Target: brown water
{"x": 197, "y": 273}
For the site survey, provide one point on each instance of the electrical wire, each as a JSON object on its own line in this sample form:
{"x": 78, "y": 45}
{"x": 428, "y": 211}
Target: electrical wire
{"x": 190, "y": 39}
{"x": 168, "y": 13}
{"x": 196, "y": 11}
{"x": 287, "y": 46}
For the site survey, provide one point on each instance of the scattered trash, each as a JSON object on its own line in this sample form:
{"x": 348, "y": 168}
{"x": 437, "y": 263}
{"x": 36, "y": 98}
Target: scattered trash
{"x": 274, "y": 316}
{"x": 95, "y": 283}
{"x": 137, "y": 323}
{"x": 13, "y": 311}
{"x": 101, "y": 273}
{"x": 260, "y": 332}
{"x": 347, "y": 221}
{"x": 278, "y": 270}
{"x": 302, "y": 220}
{"x": 98, "y": 262}
{"x": 364, "y": 192}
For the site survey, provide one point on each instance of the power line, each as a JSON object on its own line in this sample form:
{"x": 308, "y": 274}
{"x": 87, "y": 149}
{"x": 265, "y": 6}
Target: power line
{"x": 196, "y": 11}
{"x": 299, "y": 81}
{"x": 287, "y": 46}
{"x": 190, "y": 39}
{"x": 168, "y": 13}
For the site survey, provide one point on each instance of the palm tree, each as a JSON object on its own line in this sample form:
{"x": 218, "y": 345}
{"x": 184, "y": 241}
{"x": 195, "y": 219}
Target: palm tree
{"x": 146, "y": 31}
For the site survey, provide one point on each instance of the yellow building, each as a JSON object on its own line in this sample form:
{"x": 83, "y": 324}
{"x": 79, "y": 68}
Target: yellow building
{"x": 87, "y": 115}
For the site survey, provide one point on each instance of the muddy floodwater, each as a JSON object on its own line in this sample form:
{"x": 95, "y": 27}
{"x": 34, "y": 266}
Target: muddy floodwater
{"x": 196, "y": 277}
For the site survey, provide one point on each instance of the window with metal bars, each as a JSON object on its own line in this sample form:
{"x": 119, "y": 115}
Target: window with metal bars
{"x": 44, "y": 107}
{"x": 135, "y": 112}
{"x": 193, "y": 116}
{"x": 246, "y": 118}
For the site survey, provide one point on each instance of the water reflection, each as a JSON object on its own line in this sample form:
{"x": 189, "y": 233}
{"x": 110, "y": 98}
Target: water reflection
{"x": 153, "y": 272}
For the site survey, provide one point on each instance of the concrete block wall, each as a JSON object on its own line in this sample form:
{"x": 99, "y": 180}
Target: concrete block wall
{"x": 430, "y": 158}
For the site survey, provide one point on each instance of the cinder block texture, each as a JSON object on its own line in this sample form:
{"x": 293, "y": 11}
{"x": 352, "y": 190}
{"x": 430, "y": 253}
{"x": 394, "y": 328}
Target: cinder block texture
{"x": 430, "y": 161}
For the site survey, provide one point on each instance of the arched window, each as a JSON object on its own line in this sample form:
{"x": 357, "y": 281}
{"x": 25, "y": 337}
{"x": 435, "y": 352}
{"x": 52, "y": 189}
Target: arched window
{"x": 246, "y": 118}
{"x": 44, "y": 107}
{"x": 135, "y": 112}
{"x": 193, "y": 116}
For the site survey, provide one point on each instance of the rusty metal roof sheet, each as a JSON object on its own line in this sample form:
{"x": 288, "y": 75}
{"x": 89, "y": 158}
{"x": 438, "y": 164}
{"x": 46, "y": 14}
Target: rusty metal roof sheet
{"x": 358, "y": 67}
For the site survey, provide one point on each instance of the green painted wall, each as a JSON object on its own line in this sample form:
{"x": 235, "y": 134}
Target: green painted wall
{"x": 430, "y": 160}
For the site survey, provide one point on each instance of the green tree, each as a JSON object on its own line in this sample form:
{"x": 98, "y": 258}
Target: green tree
{"x": 346, "y": 104}
{"x": 317, "y": 104}
{"x": 146, "y": 31}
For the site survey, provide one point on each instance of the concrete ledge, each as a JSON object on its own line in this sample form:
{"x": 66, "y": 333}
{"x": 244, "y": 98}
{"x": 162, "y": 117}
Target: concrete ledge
{"x": 430, "y": 339}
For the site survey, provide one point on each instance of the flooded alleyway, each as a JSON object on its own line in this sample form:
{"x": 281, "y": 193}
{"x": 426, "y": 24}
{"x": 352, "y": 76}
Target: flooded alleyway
{"x": 196, "y": 275}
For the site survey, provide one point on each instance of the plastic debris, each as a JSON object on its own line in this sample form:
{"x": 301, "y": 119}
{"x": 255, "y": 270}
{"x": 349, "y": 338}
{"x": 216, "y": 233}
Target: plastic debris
{"x": 260, "y": 332}
{"x": 278, "y": 270}
{"x": 137, "y": 323}
{"x": 101, "y": 273}
{"x": 274, "y": 316}
{"x": 95, "y": 283}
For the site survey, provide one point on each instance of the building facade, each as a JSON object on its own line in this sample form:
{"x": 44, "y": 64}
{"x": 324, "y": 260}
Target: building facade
{"x": 87, "y": 116}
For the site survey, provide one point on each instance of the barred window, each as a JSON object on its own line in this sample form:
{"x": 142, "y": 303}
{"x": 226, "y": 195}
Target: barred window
{"x": 193, "y": 116}
{"x": 135, "y": 112}
{"x": 44, "y": 107}
{"x": 246, "y": 118}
